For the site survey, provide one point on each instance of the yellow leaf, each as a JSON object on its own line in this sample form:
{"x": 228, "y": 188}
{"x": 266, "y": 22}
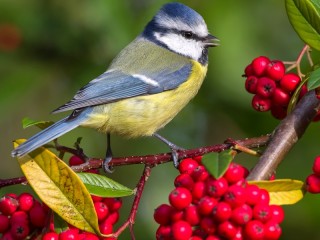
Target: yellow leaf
{"x": 282, "y": 191}
{"x": 59, "y": 187}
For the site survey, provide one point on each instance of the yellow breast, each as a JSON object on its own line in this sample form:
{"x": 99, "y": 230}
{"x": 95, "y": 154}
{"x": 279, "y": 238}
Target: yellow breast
{"x": 144, "y": 115}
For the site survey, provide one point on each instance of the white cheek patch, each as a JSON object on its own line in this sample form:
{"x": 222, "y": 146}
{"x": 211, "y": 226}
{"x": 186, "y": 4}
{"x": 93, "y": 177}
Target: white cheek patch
{"x": 177, "y": 43}
{"x": 146, "y": 80}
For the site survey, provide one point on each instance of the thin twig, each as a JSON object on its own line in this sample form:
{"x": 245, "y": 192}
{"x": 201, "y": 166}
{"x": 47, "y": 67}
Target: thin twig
{"x": 132, "y": 216}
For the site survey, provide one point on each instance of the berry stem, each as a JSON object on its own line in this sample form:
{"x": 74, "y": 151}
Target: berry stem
{"x": 132, "y": 216}
{"x": 296, "y": 64}
{"x": 288, "y": 132}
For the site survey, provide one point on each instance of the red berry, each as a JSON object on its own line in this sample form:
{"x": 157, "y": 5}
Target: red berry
{"x": 290, "y": 82}
{"x": 276, "y": 70}
{"x": 248, "y": 71}
{"x": 276, "y": 213}
{"x": 50, "y": 236}
{"x": 195, "y": 238}
{"x": 114, "y": 204}
{"x": 112, "y": 218}
{"x": 191, "y": 215}
{"x": 317, "y": 117}
{"x": 241, "y": 215}
{"x": 280, "y": 97}
{"x": 69, "y": 234}
{"x": 38, "y": 215}
{"x": 234, "y": 173}
{"x": 12, "y": 195}
{"x": 238, "y": 235}
{"x": 75, "y": 160}
{"x": 162, "y": 214}
{"x": 206, "y": 205}
{"x": 278, "y": 111}
{"x": 316, "y": 166}
{"x": 180, "y": 198}
{"x": 96, "y": 198}
{"x": 261, "y": 212}
{"x": 181, "y": 230}
{"x": 4, "y": 223}
{"x": 227, "y": 230}
{"x": 208, "y": 225}
{"x": 88, "y": 236}
{"x": 254, "y": 230}
{"x": 163, "y": 232}
{"x": 198, "y": 159}
{"x": 222, "y": 212}
{"x": 235, "y": 196}
{"x": 266, "y": 87}
{"x": 264, "y": 197}
{"x": 25, "y": 201}
{"x": 212, "y": 237}
{"x": 251, "y": 84}
{"x": 217, "y": 187}
{"x": 260, "y": 65}
{"x": 261, "y": 104}
{"x": 199, "y": 232}
{"x": 19, "y": 217}
{"x": 177, "y": 215}
{"x": 200, "y": 173}
{"x": 253, "y": 194}
{"x": 272, "y": 231}
{"x": 313, "y": 183}
{"x": 105, "y": 228}
{"x": 7, "y": 236}
{"x": 187, "y": 165}
{"x": 8, "y": 205}
{"x": 101, "y": 210}
{"x": 303, "y": 91}
{"x": 184, "y": 180}
{"x": 19, "y": 231}
{"x": 198, "y": 191}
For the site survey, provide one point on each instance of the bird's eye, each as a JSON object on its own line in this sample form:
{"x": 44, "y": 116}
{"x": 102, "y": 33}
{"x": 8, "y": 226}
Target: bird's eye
{"x": 187, "y": 35}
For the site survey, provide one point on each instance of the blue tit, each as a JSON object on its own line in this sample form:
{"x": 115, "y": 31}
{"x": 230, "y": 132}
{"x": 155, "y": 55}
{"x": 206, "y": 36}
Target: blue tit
{"x": 146, "y": 85}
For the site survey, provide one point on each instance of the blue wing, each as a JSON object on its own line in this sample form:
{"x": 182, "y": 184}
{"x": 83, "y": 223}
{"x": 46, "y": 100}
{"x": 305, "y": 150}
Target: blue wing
{"x": 115, "y": 85}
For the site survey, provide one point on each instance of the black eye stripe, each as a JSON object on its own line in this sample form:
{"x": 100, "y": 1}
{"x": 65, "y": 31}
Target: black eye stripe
{"x": 187, "y": 34}
{"x": 183, "y": 33}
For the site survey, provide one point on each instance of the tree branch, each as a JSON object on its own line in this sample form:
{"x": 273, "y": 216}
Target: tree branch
{"x": 95, "y": 163}
{"x": 289, "y": 131}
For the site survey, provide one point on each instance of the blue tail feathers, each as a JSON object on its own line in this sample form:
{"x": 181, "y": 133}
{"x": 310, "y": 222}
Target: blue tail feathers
{"x": 54, "y": 131}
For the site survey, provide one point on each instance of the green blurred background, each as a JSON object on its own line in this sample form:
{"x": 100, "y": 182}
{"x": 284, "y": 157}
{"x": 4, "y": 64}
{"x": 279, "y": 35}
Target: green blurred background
{"x": 55, "y": 47}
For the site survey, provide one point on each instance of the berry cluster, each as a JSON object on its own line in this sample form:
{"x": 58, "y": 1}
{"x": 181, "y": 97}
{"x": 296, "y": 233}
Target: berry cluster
{"x": 21, "y": 215}
{"x": 202, "y": 207}
{"x": 313, "y": 180}
{"x": 108, "y": 214}
{"x": 271, "y": 86}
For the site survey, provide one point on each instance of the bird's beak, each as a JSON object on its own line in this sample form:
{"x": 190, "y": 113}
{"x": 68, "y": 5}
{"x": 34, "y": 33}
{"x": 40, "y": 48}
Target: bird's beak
{"x": 211, "y": 41}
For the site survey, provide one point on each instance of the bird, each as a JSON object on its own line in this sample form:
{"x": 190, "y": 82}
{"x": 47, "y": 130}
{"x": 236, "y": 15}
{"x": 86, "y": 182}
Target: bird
{"x": 146, "y": 85}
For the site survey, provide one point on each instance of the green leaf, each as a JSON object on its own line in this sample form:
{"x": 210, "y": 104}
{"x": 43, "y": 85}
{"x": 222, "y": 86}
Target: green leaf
{"x": 304, "y": 16}
{"x": 102, "y": 186}
{"x": 27, "y": 122}
{"x": 282, "y": 191}
{"x": 59, "y": 224}
{"x": 314, "y": 79}
{"x": 59, "y": 187}
{"x": 218, "y": 163}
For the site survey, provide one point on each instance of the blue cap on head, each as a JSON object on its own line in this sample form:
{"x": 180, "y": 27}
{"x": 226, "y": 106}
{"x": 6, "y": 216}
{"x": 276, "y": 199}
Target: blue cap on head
{"x": 182, "y": 12}
{"x": 176, "y": 16}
